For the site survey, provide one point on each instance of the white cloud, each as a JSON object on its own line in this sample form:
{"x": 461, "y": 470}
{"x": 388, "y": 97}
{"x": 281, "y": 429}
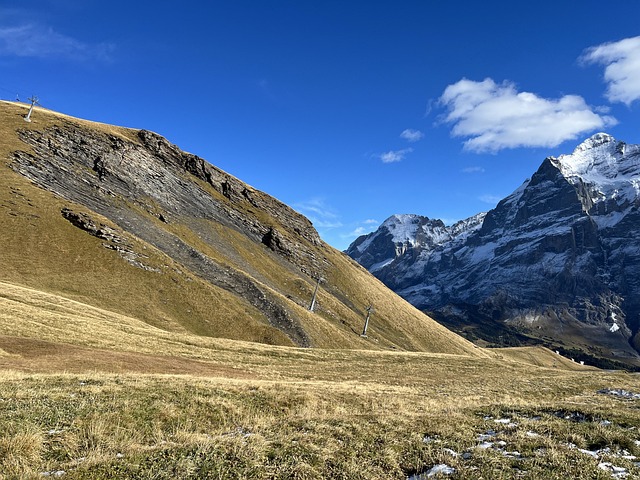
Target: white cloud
{"x": 370, "y": 221}
{"x": 394, "y": 155}
{"x": 622, "y": 68}
{"x": 412, "y": 135}
{"x": 30, "y": 40}
{"x": 490, "y": 199}
{"x": 473, "y": 170}
{"x": 321, "y": 215}
{"x": 496, "y": 116}
{"x": 355, "y": 233}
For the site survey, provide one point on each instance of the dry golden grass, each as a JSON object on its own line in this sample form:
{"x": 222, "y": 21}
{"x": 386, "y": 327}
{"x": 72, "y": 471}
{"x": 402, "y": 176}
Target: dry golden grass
{"x": 42, "y": 250}
{"x": 137, "y": 401}
{"x": 363, "y": 415}
{"x": 109, "y": 371}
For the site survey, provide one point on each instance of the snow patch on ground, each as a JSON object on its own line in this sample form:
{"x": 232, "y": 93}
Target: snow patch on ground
{"x": 440, "y": 469}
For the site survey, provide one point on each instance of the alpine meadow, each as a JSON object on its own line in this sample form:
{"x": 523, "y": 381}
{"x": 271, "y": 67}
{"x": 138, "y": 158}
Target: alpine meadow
{"x": 160, "y": 318}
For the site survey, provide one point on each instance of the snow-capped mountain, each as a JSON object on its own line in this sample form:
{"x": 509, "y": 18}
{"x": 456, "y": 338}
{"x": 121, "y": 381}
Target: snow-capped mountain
{"x": 402, "y": 233}
{"x": 558, "y": 259}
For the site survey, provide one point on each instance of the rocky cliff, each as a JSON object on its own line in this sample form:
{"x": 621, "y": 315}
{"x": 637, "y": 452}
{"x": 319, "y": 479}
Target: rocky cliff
{"x": 558, "y": 260}
{"x": 123, "y": 219}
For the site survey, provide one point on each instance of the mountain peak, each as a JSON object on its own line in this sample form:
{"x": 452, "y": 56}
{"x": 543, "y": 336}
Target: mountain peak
{"x": 401, "y": 219}
{"x": 404, "y": 226}
{"x": 609, "y": 167}
{"x": 561, "y": 249}
{"x": 594, "y": 141}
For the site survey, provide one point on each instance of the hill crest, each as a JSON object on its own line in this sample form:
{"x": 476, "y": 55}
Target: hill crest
{"x": 122, "y": 219}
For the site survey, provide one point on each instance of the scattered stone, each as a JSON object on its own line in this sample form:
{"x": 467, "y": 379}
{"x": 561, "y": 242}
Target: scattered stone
{"x": 428, "y": 439}
{"x": 577, "y": 417}
{"x": 486, "y": 436}
{"x": 53, "y": 473}
{"x": 238, "y": 432}
{"x": 514, "y": 454}
{"x": 592, "y": 453}
{"x": 620, "y": 393}
{"x": 505, "y": 421}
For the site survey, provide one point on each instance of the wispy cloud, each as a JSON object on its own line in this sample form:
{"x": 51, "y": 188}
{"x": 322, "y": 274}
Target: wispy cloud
{"x": 370, "y": 221}
{"x": 496, "y": 116}
{"x": 490, "y": 199}
{"x": 622, "y": 68}
{"x": 394, "y": 155}
{"x": 31, "y": 40}
{"x": 354, "y": 233}
{"x": 473, "y": 170}
{"x": 321, "y": 215}
{"x": 412, "y": 135}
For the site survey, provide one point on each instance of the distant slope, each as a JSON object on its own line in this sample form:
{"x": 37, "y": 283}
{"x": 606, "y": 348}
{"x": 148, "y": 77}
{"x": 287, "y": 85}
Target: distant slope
{"x": 122, "y": 220}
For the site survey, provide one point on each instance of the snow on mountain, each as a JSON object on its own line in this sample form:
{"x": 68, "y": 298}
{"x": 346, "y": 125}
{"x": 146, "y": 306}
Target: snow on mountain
{"x": 403, "y": 233}
{"x": 608, "y": 172}
{"x": 562, "y": 249}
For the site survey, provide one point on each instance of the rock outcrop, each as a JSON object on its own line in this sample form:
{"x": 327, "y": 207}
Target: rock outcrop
{"x": 124, "y": 220}
{"x": 99, "y": 171}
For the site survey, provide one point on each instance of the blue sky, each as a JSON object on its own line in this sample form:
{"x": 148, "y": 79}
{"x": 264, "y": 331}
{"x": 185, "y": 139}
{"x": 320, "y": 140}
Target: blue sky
{"x": 349, "y": 111}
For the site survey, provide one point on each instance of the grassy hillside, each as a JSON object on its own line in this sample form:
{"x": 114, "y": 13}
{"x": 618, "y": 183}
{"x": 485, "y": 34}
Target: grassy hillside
{"x": 96, "y": 394}
{"x": 43, "y": 250}
{"x": 155, "y": 368}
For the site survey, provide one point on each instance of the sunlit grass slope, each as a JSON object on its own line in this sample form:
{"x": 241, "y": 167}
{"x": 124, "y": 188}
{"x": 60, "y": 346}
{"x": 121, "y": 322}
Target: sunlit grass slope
{"x": 96, "y": 394}
{"x": 42, "y": 250}
{"x": 112, "y": 371}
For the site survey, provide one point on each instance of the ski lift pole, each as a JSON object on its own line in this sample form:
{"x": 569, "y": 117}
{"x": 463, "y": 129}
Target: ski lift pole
{"x": 315, "y": 294}
{"x": 34, "y": 101}
{"x": 366, "y": 321}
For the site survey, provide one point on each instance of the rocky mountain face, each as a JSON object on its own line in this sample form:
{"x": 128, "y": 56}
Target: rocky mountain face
{"x": 407, "y": 234}
{"x": 123, "y": 219}
{"x": 558, "y": 260}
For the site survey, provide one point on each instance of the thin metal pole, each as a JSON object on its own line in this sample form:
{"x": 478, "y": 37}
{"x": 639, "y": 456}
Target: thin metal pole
{"x": 366, "y": 321}
{"x": 315, "y": 293}
{"x": 33, "y": 101}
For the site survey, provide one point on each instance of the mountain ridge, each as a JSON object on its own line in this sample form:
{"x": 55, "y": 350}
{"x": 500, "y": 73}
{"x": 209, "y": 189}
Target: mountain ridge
{"x": 560, "y": 250}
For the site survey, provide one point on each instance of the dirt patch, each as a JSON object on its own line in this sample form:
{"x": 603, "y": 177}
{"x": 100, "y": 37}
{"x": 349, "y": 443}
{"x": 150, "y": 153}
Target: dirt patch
{"x": 37, "y": 356}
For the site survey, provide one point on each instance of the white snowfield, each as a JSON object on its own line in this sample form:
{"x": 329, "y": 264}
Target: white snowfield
{"x": 611, "y": 172}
